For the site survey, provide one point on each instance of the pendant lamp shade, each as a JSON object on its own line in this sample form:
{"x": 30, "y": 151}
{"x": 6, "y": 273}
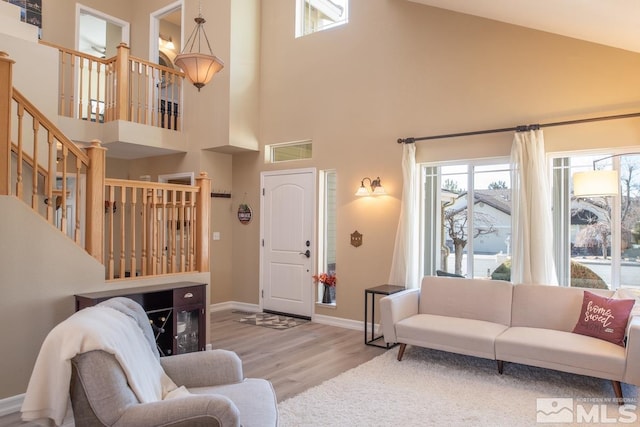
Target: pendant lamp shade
{"x": 198, "y": 67}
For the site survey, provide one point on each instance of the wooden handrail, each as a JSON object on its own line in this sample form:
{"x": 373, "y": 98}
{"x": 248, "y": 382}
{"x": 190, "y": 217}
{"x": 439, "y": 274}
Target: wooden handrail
{"x": 74, "y": 52}
{"x": 50, "y": 126}
{"x": 148, "y": 184}
{"x": 112, "y": 59}
{"x": 123, "y": 87}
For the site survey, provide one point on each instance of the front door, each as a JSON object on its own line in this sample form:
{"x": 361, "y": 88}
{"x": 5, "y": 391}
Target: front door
{"x": 287, "y": 225}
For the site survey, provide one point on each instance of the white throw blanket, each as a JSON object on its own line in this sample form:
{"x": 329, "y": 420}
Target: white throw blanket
{"x": 93, "y": 328}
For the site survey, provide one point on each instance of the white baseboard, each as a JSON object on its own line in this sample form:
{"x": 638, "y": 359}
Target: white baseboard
{"x": 318, "y": 318}
{"x": 337, "y": 321}
{"x": 233, "y": 305}
{"x": 11, "y": 404}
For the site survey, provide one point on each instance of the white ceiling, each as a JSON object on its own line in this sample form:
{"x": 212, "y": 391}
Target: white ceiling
{"x": 609, "y": 22}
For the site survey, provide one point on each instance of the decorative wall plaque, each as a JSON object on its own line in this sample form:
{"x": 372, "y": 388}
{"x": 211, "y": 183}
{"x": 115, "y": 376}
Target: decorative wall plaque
{"x": 356, "y": 239}
{"x": 244, "y": 213}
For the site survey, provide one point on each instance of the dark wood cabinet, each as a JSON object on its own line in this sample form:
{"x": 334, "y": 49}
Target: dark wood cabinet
{"x": 176, "y": 312}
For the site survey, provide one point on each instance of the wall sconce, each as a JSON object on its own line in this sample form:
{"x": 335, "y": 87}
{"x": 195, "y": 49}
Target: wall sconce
{"x": 375, "y": 188}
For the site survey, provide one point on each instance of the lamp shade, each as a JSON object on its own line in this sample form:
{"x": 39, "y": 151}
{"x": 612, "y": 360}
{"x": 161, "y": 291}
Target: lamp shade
{"x": 379, "y": 191}
{"x": 199, "y": 68}
{"x": 362, "y": 191}
{"x": 597, "y": 183}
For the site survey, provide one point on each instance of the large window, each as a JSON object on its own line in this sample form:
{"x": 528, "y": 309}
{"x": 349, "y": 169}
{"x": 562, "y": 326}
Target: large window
{"x": 596, "y": 239}
{"x": 318, "y": 15}
{"x": 467, "y": 212}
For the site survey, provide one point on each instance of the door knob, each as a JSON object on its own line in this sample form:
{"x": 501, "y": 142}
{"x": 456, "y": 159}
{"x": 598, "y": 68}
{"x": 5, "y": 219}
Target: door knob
{"x": 306, "y": 253}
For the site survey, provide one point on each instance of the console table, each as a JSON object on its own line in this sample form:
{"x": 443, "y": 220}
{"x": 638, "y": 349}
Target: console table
{"x": 370, "y": 293}
{"x": 176, "y": 312}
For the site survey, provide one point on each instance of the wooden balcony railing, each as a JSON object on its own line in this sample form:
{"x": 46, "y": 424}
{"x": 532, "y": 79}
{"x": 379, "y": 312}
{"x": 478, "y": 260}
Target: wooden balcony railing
{"x": 134, "y": 228}
{"x": 120, "y": 88}
{"x": 154, "y": 228}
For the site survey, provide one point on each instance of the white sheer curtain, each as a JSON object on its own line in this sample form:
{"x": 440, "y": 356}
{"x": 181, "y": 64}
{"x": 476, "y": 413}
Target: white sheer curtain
{"x": 532, "y": 234}
{"x": 404, "y": 267}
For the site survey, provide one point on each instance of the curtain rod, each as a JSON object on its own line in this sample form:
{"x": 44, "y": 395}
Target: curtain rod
{"x": 521, "y": 128}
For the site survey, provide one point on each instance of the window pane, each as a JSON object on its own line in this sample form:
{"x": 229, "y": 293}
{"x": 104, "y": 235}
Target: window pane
{"x": 327, "y": 231}
{"x": 433, "y": 204}
{"x": 630, "y": 220}
{"x": 476, "y": 235}
{"x": 491, "y": 218}
{"x": 590, "y": 265}
{"x": 454, "y": 218}
{"x": 318, "y": 15}
{"x": 597, "y": 224}
{"x": 291, "y": 151}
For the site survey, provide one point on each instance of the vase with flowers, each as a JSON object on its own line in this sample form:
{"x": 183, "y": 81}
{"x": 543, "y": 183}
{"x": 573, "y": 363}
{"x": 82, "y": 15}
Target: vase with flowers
{"x": 328, "y": 281}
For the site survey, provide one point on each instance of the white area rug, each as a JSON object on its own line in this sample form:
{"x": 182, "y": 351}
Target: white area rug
{"x": 433, "y": 388}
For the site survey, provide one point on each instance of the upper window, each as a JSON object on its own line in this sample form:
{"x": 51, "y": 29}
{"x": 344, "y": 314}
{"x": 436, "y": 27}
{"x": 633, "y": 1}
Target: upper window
{"x": 318, "y": 15}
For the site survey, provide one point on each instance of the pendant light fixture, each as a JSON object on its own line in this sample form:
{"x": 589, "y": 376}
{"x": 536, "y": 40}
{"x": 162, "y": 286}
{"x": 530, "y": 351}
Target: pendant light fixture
{"x": 198, "y": 67}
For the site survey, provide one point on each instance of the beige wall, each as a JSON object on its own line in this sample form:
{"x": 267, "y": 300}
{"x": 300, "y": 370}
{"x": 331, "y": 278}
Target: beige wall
{"x": 39, "y": 278}
{"x": 401, "y": 69}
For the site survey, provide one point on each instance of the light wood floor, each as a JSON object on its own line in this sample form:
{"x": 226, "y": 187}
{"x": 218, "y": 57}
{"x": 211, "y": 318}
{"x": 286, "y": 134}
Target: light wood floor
{"x": 293, "y": 360}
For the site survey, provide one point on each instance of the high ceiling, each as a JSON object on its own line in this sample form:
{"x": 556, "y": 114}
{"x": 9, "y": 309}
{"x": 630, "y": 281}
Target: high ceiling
{"x": 609, "y": 22}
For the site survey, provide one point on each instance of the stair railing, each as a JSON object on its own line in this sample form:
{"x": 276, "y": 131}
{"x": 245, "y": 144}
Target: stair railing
{"x": 155, "y": 228}
{"x": 119, "y": 88}
{"x": 135, "y": 228}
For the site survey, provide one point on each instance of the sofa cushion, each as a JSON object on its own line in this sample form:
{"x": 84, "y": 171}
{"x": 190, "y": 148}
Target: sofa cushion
{"x": 454, "y": 334}
{"x": 604, "y": 318}
{"x": 478, "y": 299}
{"x": 563, "y": 351}
{"x": 548, "y": 307}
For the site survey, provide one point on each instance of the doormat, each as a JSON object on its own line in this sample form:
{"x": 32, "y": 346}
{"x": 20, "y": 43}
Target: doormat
{"x": 272, "y": 321}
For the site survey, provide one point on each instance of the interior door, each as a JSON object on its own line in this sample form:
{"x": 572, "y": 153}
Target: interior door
{"x": 287, "y": 225}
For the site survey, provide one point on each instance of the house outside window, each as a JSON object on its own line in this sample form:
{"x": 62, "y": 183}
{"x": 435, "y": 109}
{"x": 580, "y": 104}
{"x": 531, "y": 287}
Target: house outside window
{"x": 597, "y": 240}
{"x": 319, "y": 15}
{"x": 467, "y": 218}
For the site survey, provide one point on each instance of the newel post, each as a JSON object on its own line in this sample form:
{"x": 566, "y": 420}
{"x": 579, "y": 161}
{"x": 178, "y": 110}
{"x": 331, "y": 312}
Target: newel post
{"x": 95, "y": 200}
{"x": 6, "y": 95}
{"x": 122, "y": 82}
{"x": 203, "y": 207}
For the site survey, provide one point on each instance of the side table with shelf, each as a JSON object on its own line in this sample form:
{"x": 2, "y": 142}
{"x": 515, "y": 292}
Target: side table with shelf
{"x": 176, "y": 312}
{"x": 370, "y": 293}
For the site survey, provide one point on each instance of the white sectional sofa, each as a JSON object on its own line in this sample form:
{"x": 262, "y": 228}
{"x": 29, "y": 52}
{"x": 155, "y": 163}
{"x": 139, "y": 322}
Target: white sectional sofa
{"x": 527, "y": 324}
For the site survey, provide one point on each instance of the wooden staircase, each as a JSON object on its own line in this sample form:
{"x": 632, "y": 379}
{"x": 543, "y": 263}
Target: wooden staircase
{"x": 134, "y": 228}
